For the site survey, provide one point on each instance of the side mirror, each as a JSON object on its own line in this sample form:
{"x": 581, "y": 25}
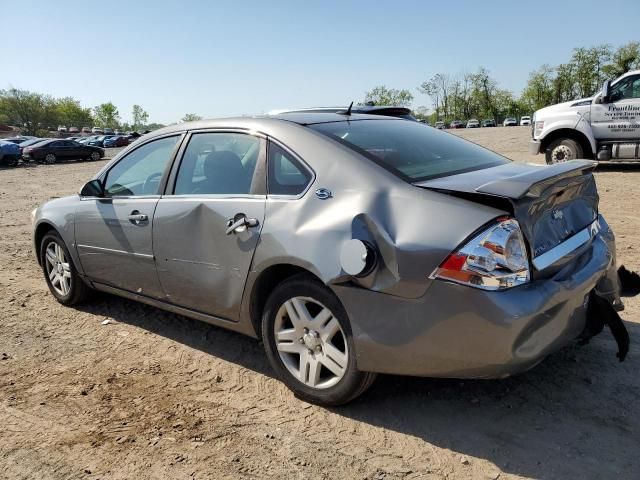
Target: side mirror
{"x": 606, "y": 86}
{"x": 92, "y": 188}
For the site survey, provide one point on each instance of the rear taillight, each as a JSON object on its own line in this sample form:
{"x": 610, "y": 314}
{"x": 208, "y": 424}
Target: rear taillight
{"x": 495, "y": 259}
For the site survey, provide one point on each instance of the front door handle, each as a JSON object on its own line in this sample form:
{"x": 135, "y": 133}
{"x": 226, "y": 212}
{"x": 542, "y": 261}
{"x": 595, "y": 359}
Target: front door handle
{"x": 137, "y": 218}
{"x": 239, "y": 223}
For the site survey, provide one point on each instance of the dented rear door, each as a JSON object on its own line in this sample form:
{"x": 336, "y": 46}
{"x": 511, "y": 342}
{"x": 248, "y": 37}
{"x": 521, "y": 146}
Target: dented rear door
{"x": 203, "y": 250}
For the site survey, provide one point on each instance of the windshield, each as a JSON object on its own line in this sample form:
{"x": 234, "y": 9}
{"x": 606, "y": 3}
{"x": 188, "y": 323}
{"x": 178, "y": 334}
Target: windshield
{"x": 411, "y": 150}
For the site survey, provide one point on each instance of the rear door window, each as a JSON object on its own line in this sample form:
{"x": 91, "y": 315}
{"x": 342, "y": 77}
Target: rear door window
{"x": 287, "y": 176}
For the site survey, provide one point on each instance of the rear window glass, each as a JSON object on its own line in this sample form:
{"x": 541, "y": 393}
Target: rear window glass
{"x": 411, "y": 150}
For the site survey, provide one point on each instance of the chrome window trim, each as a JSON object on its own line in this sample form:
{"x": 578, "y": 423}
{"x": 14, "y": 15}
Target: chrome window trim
{"x": 569, "y": 245}
{"x": 170, "y": 185}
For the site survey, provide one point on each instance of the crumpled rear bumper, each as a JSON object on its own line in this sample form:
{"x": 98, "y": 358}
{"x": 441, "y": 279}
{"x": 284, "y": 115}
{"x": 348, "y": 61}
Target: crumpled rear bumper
{"x": 462, "y": 332}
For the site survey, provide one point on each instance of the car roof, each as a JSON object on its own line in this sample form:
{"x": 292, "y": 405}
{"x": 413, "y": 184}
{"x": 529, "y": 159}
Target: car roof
{"x": 258, "y": 121}
{"x": 390, "y": 110}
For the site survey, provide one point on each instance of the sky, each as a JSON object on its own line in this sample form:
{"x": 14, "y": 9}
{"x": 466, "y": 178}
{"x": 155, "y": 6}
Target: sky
{"x": 220, "y": 59}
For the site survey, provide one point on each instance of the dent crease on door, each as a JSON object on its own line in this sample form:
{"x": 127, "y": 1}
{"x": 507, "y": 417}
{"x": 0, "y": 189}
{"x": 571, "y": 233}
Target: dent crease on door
{"x": 199, "y": 266}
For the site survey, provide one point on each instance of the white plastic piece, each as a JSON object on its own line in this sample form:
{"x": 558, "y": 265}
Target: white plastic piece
{"x": 354, "y": 256}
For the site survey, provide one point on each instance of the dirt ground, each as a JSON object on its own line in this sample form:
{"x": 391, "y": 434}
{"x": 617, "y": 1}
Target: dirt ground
{"x": 155, "y": 395}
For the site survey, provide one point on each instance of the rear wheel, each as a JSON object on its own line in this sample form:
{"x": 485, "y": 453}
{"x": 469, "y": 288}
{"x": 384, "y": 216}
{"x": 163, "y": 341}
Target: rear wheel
{"x": 50, "y": 158}
{"x": 59, "y": 271}
{"x": 562, "y": 150}
{"x": 308, "y": 341}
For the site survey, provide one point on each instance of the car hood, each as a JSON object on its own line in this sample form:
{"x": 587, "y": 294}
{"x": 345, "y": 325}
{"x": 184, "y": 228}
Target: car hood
{"x": 551, "y": 203}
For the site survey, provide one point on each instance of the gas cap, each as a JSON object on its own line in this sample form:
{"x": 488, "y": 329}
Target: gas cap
{"x": 357, "y": 258}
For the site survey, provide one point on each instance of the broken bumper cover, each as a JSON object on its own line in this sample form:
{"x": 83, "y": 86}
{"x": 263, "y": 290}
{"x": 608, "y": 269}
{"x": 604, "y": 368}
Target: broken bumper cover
{"x": 462, "y": 332}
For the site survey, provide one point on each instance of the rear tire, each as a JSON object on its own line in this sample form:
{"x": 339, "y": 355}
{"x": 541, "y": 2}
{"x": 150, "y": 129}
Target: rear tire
{"x": 60, "y": 273}
{"x": 562, "y": 150}
{"x": 50, "y": 159}
{"x": 313, "y": 354}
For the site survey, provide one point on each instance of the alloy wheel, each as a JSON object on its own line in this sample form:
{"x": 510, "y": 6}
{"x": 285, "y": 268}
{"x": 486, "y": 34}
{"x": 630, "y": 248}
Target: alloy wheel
{"x": 311, "y": 342}
{"x": 50, "y": 158}
{"x": 58, "y": 268}
{"x": 95, "y": 156}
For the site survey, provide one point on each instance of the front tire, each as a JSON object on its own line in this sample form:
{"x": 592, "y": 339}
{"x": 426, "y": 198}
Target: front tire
{"x": 307, "y": 339}
{"x": 95, "y": 156}
{"x": 59, "y": 271}
{"x": 562, "y": 150}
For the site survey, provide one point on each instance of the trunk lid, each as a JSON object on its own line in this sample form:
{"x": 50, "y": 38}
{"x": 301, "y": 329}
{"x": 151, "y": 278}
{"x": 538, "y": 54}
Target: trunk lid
{"x": 551, "y": 203}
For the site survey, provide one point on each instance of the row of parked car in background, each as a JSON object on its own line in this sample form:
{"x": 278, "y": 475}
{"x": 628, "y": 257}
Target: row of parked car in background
{"x": 474, "y": 123}
{"x": 52, "y": 150}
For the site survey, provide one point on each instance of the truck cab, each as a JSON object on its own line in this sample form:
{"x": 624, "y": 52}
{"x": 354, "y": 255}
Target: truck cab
{"x": 603, "y": 127}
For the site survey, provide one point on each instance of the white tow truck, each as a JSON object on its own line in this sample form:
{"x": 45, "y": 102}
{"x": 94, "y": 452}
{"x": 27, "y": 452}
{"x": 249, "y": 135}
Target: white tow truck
{"x": 603, "y": 127}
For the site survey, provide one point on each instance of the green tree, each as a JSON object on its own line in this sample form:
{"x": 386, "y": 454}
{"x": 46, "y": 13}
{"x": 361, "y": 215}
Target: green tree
{"x": 625, "y": 58}
{"x": 382, "y": 95}
{"x": 106, "y": 115}
{"x": 140, "y": 117}
{"x": 538, "y": 92}
{"x": 71, "y": 113}
{"x": 29, "y": 110}
{"x": 191, "y": 117}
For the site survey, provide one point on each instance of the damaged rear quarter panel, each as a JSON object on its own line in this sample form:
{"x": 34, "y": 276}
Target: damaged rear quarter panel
{"x": 412, "y": 229}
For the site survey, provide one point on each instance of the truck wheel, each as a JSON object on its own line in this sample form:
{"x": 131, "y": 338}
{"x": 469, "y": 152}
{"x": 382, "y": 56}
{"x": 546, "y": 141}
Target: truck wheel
{"x": 563, "y": 150}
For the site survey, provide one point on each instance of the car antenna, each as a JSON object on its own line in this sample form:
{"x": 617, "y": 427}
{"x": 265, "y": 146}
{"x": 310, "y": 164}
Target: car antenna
{"x": 348, "y": 112}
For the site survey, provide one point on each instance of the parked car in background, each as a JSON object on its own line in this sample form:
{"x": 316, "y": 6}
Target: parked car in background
{"x": 9, "y": 154}
{"x": 510, "y": 122}
{"x": 19, "y": 140}
{"x": 115, "y": 141}
{"x": 456, "y": 124}
{"x": 98, "y": 141}
{"x": 86, "y": 130}
{"x": 473, "y": 123}
{"x": 62, "y": 128}
{"x": 440, "y": 125}
{"x": 97, "y": 130}
{"x": 74, "y": 130}
{"x": 489, "y": 122}
{"x": 29, "y": 143}
{"x": 118, "y": 132}
{"x": 108, "y": 131}
{"x": 85, "y": 140}
{"x": 490, "y": 292}
{"x": 525, "y": 120}
{"x": 50, "y": 151}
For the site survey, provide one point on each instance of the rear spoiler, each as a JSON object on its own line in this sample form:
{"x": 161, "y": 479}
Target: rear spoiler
{"x": 534, "y": 182}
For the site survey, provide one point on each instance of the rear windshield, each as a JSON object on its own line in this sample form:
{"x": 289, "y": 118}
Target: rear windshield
{"x": 411, "y": 150}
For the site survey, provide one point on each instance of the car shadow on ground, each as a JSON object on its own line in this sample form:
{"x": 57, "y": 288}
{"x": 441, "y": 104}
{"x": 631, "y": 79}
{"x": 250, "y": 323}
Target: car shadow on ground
{"x": 575, "y": 414}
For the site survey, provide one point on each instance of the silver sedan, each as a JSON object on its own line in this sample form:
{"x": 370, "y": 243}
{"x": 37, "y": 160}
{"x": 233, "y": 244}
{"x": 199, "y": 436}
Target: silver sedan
{"x": 350, "y": 244}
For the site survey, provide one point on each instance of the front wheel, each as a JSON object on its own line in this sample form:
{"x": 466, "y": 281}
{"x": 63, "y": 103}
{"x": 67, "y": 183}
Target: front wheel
{"x": 562, "y": 150}
{"x": 95, "y": 156}
{"x": 59, "y": 271}
{"x": 308, "y": 341}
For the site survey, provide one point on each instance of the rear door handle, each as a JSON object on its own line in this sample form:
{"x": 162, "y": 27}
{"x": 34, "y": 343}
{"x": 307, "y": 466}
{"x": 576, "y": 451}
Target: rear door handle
{"x": 136, "y": 217}
{"x": 239, "y": 223}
